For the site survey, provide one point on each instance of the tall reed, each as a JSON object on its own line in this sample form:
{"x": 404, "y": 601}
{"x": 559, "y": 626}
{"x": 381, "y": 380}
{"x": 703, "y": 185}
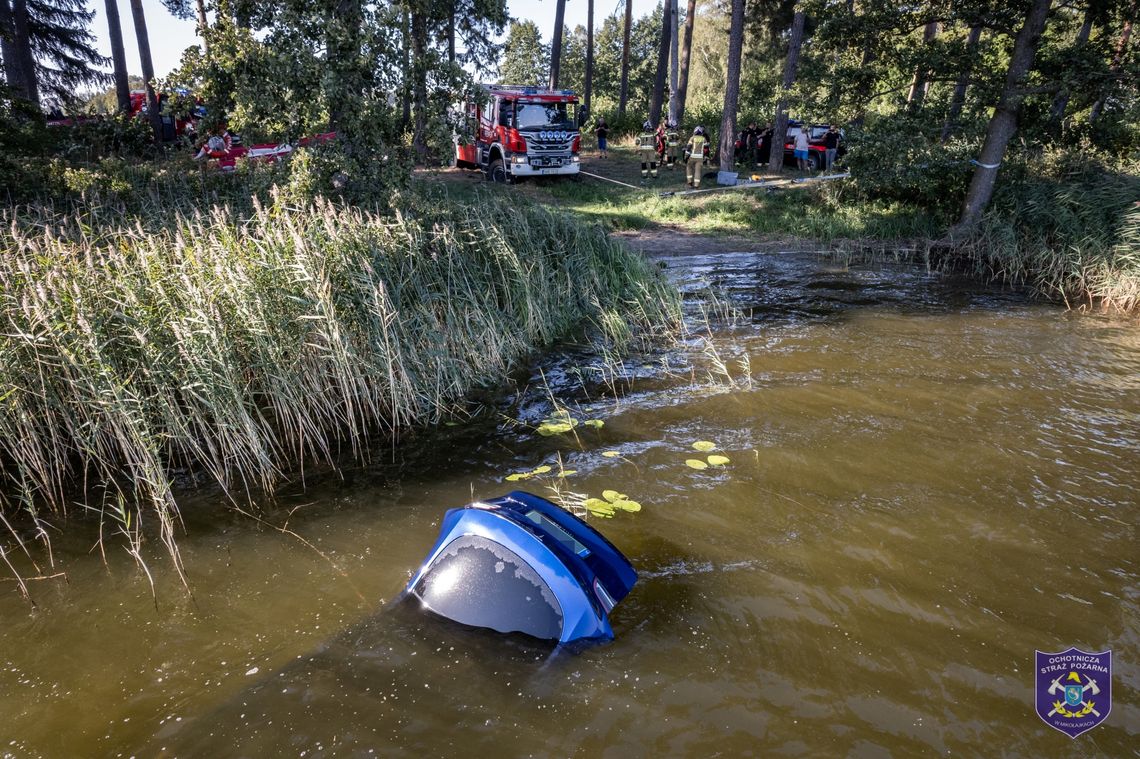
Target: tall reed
{"x": 239, "y": 349}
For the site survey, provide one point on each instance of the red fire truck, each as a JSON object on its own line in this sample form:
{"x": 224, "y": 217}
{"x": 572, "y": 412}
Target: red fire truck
{"x": 517, "y": 132}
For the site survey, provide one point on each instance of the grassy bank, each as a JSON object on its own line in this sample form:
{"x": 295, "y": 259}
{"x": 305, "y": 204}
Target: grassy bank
{"x": 1064, "y": 225}
{"x": 236, "y": 345}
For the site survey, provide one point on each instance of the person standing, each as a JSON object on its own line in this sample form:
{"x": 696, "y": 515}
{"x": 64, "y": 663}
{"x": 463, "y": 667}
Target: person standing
{"x": 830, "y": 146}
{"x": 801, "y": 148}
{"x": 672, "y": 144}
{"x": 751, "y": 144}
{"x": 647, "y": 146}
{"x": 602, "y": 131}
{"x": 764, "y": 151}
{"x": 695, "y": 157}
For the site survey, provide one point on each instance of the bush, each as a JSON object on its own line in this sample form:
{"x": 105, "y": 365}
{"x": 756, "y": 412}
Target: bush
{"x": 895, "y": 160}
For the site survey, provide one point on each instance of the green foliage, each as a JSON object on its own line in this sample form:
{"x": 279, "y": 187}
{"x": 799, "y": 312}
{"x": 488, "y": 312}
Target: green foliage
{"x": 104, "y": 137}
{"x": 894, "y": 159}
{"x": 1067, "y": 223}
{"x": 526, "y": 60}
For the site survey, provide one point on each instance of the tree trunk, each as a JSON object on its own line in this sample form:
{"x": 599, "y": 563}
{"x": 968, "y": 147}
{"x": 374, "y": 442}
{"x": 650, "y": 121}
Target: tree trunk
{"x": 919, "y": 83}
{"x": 203, "y": 23}
{"x": 345, "y": 87}
{"x": 1003, "y": 124}
{"x": 623, "y": 95}
{"x": 958, "y": 99}
{"x": 408, "y": 75}
{"x": 674, "y": 61}
{"x": 13, "y": 62}
{"x": 732, "y": 87}
{"x": 419, "y": 83}
{"x": 1061, "y": 101}
{"x": 866, "y": 87}
{"x": 118, "y": 56}
{"x": 589, "y": 57}
{"x": 1117, "y": 59}
{"x": 451, "y": 31}
{"x": 780, "y": 128}
{"x": 147, "y": 69}
{"x": 23, "y": 48}
{"x": 556, "y": 43}
{"x": 686, "y": 52}
{"x": 657, "y": 97}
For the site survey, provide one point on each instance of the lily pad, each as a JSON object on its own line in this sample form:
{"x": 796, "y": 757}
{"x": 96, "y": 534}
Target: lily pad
{"x": 518, "y": 476}
{"x": 612, "y": 495}
{"x": 595, "y": 423}
{"x": 551, "y": 427}
{"x": 626, "y": 505}
{"x": 541, "y": 469}
{"x": 567, "y": 472}
{"x": 611, "y": 454}
{"x": 598, "y": 507}
{"x": 696, "y": 464}
{"x": 704, "y": 446}
{"x": 715, "y": 460}
{"x": 561, "y": 413}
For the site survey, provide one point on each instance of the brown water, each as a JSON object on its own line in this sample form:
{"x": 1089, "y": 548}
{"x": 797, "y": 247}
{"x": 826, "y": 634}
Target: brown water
{"x": 927, "y": 483}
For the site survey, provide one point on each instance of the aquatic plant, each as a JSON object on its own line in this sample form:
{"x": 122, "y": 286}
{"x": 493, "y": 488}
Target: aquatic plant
{"x": 239, "y": 348}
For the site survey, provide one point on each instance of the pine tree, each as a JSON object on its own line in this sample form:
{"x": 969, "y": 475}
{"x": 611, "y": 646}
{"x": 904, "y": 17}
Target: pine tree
{"x": 524, "y": 55}
{"x": 732, "y": 87}
{"x": 48, "y": 49}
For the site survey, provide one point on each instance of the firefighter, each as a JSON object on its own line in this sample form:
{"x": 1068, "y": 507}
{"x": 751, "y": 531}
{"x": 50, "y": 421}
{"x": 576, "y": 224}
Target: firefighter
{"x": 672, "y": 144}
{"x": 695, "y": 151}
{"x": 647, "y": 144}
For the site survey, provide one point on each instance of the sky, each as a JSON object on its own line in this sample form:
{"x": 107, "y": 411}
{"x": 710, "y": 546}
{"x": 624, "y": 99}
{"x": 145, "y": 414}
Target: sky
{"x": 170, "y": 36}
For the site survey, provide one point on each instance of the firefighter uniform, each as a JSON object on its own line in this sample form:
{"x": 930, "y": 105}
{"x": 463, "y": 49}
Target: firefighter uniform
{"x": 647, "y": 145}
{"x": 695, "y": 157}
{"x": 672, "y": 145}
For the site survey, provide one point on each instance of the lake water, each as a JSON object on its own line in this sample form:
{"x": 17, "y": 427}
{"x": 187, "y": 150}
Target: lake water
{"x": 927, "y": 482}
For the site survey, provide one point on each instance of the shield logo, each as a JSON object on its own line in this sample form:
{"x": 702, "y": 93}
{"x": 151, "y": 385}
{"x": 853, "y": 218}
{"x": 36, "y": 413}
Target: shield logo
{"x": 1073, "y": 689}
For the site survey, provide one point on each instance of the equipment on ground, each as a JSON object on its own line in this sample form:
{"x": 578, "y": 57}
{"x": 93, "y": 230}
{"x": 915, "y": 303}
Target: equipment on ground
{"x": 514, "y": 132}
{"x": 519, "y": 563}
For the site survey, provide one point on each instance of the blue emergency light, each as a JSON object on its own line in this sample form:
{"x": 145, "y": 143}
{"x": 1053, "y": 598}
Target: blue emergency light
{"x": 519, "y": 563}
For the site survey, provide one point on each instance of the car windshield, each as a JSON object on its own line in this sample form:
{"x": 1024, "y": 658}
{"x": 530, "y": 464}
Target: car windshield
{"x": 482, "y": 583}
{"x": 544, "y": 115}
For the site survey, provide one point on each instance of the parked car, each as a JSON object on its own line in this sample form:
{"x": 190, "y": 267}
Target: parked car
{"x": 816, "y": 132}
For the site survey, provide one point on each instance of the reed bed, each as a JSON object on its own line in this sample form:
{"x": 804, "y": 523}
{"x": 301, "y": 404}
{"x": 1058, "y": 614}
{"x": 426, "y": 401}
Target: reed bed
{"x": 1074, "y": 239}
{"x": 240, "y": 347}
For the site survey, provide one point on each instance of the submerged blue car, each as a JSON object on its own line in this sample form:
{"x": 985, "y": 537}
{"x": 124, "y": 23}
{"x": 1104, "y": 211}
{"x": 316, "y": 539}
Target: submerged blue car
{"x": 519, "y": 563}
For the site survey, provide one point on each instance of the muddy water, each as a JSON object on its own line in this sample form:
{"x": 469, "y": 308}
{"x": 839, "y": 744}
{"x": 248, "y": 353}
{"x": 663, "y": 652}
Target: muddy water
{"x": 927, "y": 482}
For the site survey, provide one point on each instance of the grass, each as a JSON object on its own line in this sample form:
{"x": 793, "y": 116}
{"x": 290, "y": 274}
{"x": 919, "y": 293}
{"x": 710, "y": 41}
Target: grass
{"x": 823, "y": 213}
{"x": 1069, "y": 231}
{"x": 240, "y": 347}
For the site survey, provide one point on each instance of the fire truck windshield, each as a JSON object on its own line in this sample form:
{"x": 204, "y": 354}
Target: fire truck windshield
{"x": 545, "y": 115}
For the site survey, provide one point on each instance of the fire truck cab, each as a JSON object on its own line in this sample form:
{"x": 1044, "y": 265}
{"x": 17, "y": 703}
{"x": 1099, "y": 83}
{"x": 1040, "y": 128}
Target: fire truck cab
{"x": 518, "y": 132}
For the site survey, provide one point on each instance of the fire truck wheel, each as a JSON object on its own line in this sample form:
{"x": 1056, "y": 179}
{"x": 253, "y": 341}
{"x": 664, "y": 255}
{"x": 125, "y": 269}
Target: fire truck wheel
{"x": 497, "y": 172}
